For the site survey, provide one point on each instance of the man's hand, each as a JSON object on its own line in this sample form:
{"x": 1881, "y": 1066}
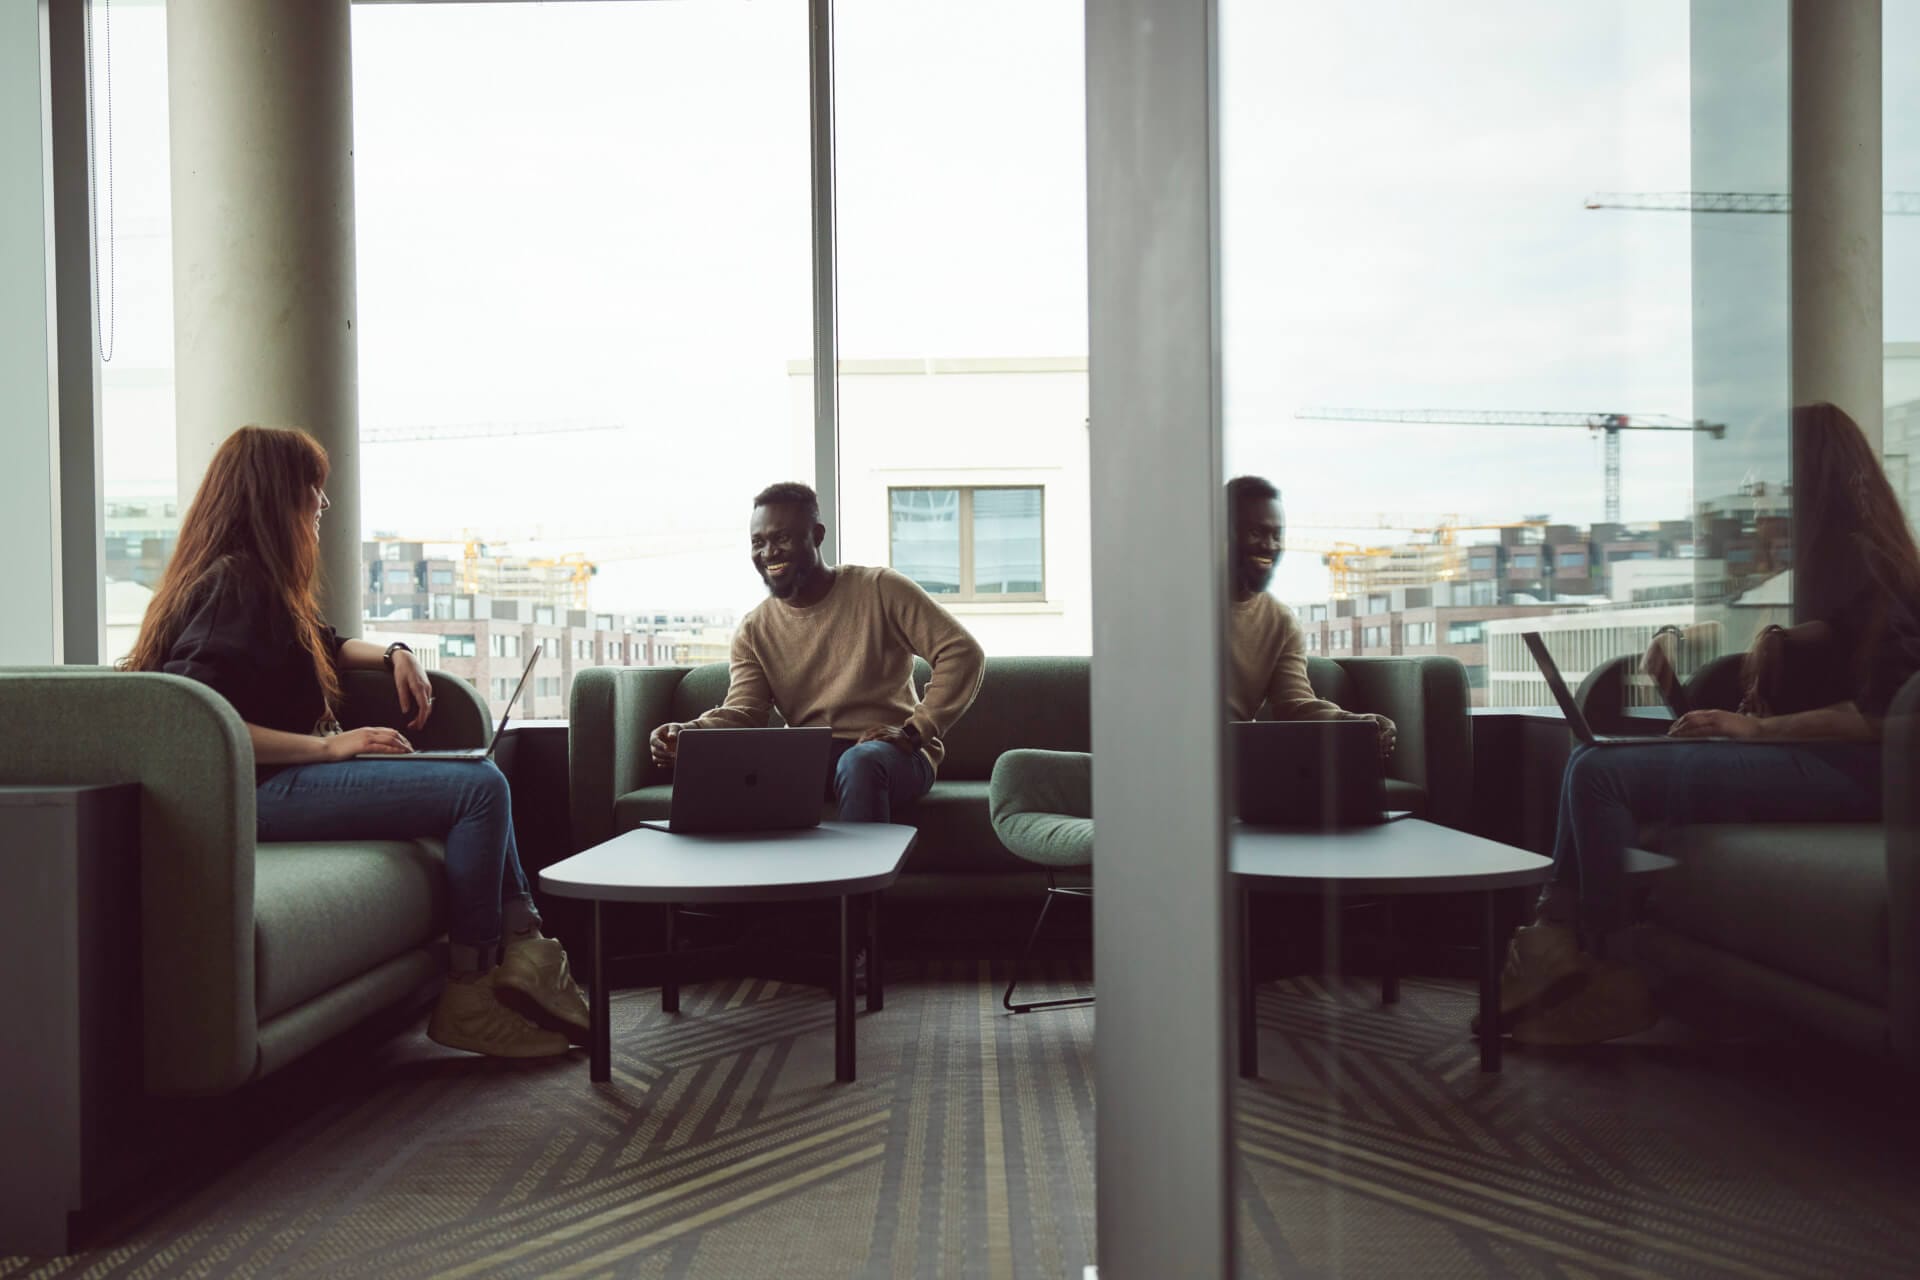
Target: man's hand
{"x": 416, "y": 693}
{"x": 353, "y": 742}
{"x": 664, "y": 744}
{"x": 1715, "y": 724}
{"x": 889, "y": 734}
{"x": 1389, "y": 734}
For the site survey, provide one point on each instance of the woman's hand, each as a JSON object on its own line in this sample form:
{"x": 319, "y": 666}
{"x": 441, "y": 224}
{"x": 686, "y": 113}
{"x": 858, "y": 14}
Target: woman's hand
{"x": 1715, "y": 724}
{"x": 416, "y": 692}
{"x": 353, "y": 742}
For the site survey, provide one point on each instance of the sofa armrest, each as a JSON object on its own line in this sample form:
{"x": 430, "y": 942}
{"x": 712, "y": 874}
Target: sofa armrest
{"x": 610, "y": 715}
{"x": 1901, "y": 762}
{"x": 1427, "y": 699}
{"x": 460, "y": 716}
{"x": 189, "y": 752}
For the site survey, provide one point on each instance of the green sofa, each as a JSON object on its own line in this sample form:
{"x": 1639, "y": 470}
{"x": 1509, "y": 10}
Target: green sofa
{"x": 252, "y": 954}
{"x": 1814, "y": 925}
{"x": 1024, "y": 702}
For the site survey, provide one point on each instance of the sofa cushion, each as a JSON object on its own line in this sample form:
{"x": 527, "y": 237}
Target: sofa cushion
{"x": 1806, "y": 899}
{"x": 1330, "y": 681}
{"x": 1043, "y": 703}
{"x": 325, "y": 913}
{"x": 1410, "y": 796}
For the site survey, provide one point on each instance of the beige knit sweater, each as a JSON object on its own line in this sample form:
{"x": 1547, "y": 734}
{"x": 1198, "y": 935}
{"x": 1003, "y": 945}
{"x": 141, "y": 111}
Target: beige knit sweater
{"x": 1270, "y": 665}
{"x": 847, "y": 662}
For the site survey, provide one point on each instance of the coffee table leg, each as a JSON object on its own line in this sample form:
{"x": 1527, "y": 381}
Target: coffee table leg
{"x": 600, "y": 1029}
{"x": 843, "y": 998}
{"x": 1490, "y": 987}
{"x": 1249, "y": 1024}
{"x": 1390, "y": 953}
{"x": 876, "y": 999}
{"x": 670, "y": 979}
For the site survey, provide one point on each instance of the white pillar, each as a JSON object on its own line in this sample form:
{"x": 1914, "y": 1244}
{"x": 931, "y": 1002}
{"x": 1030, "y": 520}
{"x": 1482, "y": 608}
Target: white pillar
{"x": 263, "y": 263}
{"x": 1164, "y": 1184}
{"x": 1838, "y": 331}
{"x": 31, "y": 623}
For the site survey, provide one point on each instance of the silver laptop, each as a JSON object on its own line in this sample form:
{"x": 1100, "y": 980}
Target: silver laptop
{"x": 728, "y": 780}
{"x": 1582, "y": 728}
{"x": 467, "y": 753}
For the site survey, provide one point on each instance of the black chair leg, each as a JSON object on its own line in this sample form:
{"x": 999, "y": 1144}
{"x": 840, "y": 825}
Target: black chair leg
{"x": 1006, "y": 999}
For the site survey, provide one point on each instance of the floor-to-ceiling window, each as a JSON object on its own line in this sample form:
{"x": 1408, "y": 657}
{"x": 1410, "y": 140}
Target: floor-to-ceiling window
{"x": 584, "y": 246}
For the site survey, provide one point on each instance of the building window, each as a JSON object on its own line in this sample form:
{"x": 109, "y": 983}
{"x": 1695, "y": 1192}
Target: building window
{"x": 603, "y": 622}
{"x": 441, "y": 577}
{"x": 503, "y": 646}
{"x": 547, "y": 686}
{"x": 1466, "y": 632}
{"x": 543, "y": 615}
{"x": 458, "y": 646}
{"x": 1573, "y": 560}
{"x": 503, "y": 688}
{"x": 971, "y": 543}
{"x": 462, "y": 607}
{"x": 1313, "y": 642}
{"x": 1526, "y": 560}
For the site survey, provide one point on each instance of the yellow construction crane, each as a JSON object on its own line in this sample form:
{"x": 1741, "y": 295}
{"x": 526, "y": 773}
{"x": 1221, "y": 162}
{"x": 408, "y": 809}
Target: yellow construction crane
{"x": 1611, "y": 424}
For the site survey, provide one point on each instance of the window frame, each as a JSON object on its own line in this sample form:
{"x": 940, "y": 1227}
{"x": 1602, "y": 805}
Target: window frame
{"x": 968, "y": 593}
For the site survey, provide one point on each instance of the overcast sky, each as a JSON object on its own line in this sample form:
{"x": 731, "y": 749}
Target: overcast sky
{"x": 599, "y": 213}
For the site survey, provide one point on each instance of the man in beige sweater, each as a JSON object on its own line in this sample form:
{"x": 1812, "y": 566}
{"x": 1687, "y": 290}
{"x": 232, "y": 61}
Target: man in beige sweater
{"x": 834, "y": 646}
{"x": 1269, "y": 657}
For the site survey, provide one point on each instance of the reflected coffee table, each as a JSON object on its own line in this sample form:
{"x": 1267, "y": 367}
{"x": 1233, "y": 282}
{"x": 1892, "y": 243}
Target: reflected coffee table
{"x": 843, "y": 860}
{"x": 1394, "y": 858}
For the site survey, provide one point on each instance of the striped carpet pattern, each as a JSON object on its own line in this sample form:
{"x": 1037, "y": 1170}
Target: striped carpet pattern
{"x": 1372, "y": 1146}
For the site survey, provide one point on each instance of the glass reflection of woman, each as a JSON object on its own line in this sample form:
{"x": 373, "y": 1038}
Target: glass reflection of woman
{"x": 236, "y": 611}
{"x": 1804, "y": 746}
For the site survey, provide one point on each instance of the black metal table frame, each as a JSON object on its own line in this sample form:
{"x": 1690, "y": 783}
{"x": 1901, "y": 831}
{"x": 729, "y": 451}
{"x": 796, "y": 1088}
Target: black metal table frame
{"x": 1490, "y": 959}
{"x": 600, "y": 1031}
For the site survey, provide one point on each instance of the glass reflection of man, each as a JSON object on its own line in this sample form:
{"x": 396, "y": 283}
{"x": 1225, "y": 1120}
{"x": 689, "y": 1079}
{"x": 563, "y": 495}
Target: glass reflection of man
{"x": 1269, "y": 656}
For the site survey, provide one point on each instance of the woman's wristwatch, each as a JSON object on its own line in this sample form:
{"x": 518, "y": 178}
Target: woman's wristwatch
{"x": 387, "y": 657}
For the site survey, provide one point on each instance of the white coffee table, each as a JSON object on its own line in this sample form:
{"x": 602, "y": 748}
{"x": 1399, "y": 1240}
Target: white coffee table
{"x": 840, "y": 860}
{"x": 1404, "y": 857}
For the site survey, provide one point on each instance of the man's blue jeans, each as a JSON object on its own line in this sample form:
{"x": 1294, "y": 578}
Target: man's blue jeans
{"x": 1609, "y": 793}
{"x": 464, "y": 803}
{"x": 872, "y": 780}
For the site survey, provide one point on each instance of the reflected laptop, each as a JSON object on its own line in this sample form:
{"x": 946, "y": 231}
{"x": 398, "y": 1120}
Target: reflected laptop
{"x": 1576, "y": 718}
{"x": 1316, "y": 774}
{"x": 467, "y": 753}
{"x": 729, "y": 780}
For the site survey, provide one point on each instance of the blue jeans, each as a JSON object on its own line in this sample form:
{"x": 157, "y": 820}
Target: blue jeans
{"x": 466, "y": 804}
{"x": 872, "y": 779}
{"x": 1609, "y": 793}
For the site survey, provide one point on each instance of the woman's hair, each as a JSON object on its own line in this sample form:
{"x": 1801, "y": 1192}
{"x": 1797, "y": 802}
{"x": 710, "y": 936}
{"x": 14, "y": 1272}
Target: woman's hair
{"x": 254, "y": 505}
{"x": 1847, "y": 519}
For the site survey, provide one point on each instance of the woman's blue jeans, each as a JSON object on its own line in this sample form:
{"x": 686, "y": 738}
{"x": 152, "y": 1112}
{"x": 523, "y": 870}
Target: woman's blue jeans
{"x": 464, "y": 803}
{"x": 1609, "y": 793}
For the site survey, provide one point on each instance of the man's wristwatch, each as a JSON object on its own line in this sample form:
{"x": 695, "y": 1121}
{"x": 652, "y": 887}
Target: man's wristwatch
{"x": 387, "y": 657}
{"x": 911, "y": 732}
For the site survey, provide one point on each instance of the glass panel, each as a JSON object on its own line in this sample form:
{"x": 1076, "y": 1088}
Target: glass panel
{"x": 1007, "y": 542}
{"x": 1900, "y": 143}
{"x": 961, "y": 165}
{"x": 581, "y": 288}
{"x": 926, "y": 537}
{"x": 133, "y": 231}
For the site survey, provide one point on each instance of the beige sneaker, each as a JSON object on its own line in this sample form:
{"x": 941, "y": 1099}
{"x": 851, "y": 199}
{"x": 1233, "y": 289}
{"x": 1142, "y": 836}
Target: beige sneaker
{"x": 1614, "y": 1003}
{"x": 533, "y": 978}
{"x": 469, "y": 1017}
{"x": 1544, "y": 966}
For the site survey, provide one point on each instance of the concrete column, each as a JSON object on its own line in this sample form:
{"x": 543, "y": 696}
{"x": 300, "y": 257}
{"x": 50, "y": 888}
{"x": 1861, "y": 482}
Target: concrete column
{"x": 263, "y": 264}
{"x": 1837, "y": 320}
{"x": 31, "y": 622}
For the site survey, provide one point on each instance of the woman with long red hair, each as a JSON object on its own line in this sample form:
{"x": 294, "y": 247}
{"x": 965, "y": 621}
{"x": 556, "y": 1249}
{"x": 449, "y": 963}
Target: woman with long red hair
{"x": 1803, "y": 746}
{"x": 236, "y": 610}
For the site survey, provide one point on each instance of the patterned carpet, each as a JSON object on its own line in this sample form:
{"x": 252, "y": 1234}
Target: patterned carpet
{"x": 1371, "y": 1147}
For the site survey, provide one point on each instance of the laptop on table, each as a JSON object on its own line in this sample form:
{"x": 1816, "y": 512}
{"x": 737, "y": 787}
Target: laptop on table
{"x": 736, "y": 780}
{"x": 1310, "y": 774}
{"x": 467, "y": 753}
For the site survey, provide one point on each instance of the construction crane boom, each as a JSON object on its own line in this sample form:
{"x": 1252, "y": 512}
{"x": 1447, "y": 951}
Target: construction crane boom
{"x": 474, "y": 430}
{"x": 1610, "y": 424}
{"x": 1897, "y": 202}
